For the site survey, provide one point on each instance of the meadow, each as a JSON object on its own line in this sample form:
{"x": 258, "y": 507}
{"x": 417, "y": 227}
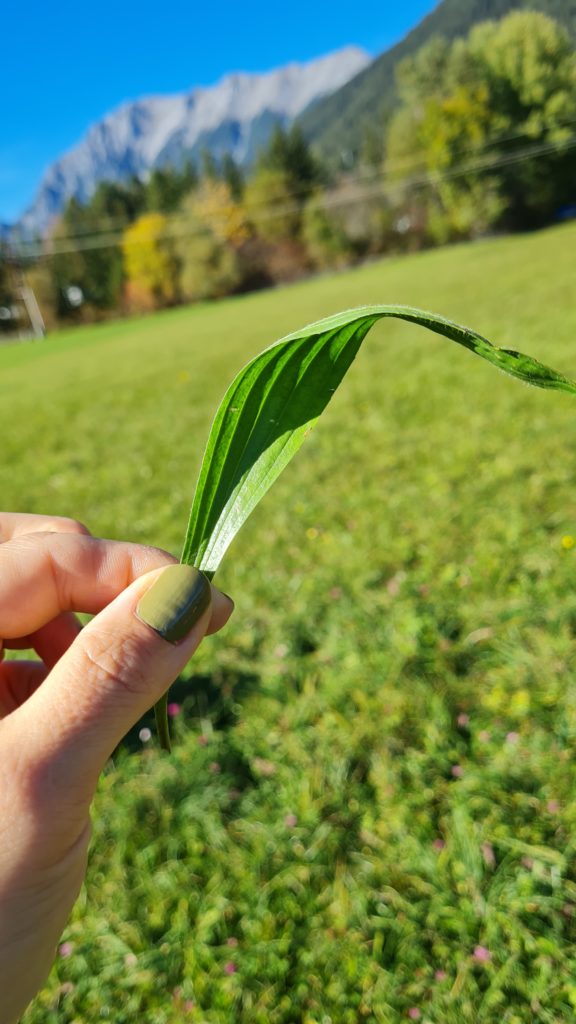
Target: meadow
{"x": 369, "y": 813}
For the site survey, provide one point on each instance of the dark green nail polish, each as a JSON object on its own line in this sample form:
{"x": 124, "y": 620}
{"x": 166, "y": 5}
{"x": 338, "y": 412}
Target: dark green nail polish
{"x": 175, "y": 602}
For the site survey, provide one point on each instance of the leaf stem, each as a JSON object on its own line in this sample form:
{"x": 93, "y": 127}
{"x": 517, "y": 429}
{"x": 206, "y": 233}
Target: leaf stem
{"x": 161, "y": 715}
{"x": 161, "y": 706}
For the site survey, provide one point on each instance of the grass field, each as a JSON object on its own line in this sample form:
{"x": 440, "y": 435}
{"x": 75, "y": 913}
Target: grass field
{"x": 369, "y": 815}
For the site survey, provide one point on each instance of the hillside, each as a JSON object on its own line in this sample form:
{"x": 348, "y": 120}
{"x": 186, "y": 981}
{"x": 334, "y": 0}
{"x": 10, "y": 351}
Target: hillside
{"x": 338, "y": 123}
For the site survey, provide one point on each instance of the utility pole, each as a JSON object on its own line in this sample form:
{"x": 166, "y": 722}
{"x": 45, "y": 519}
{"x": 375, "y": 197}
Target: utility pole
{"x": 33, "y": 309}
{"x": 23, "y": 291}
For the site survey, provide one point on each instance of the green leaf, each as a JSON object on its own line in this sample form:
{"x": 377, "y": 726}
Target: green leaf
{"x": 276, "y": 399}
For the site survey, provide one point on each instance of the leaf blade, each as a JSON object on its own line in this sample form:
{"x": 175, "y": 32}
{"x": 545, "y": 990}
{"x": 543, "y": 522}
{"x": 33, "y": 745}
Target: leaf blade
{"x": 278, "y": 397}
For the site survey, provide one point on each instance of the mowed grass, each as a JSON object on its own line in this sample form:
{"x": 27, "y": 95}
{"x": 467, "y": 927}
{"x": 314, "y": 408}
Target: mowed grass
{"x": 369, "y": 814}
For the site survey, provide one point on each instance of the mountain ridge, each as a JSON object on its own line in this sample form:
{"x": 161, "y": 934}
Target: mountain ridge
{"x": 338, "y": 100}
{"x": 153, "y": 131}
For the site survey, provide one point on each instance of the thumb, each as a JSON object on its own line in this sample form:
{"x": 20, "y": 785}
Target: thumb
{"x": 118, "y": 666}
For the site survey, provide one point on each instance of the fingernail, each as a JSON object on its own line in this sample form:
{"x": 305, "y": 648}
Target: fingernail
{"x": 175, "y": 602}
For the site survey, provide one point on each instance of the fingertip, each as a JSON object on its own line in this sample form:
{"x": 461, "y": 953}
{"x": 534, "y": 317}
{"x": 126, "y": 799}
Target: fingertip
{"x": 175, "y": 603}
{"x": 222, "y": 608}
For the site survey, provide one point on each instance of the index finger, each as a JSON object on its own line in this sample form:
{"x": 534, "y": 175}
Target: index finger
{"x": 44, "y": 574}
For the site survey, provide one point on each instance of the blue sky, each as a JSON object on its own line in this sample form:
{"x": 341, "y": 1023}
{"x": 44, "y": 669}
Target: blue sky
{"x": 64, "y": 65}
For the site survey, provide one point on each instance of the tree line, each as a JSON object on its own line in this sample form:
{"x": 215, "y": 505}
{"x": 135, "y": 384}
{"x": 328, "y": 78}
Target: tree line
{"x": 483, "y": 140}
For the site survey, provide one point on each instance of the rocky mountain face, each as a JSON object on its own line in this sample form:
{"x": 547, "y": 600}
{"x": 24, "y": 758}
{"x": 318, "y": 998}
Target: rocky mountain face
{"x": 236, "y": 116}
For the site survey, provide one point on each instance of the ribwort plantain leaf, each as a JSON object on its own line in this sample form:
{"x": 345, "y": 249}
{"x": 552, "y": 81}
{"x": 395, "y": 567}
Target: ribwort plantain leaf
{"x": 273, "y": 403}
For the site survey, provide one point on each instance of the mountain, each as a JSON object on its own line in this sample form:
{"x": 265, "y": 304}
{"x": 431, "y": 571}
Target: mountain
{"x": 338, "y": 124}
{"x": 236, "y": 116}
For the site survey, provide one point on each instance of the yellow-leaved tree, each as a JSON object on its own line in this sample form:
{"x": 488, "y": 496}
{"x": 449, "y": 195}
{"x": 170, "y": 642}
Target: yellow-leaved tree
{"x": 212, "y": 228}
{"x": 150, "y": 263}
{"x": 215, "y": 207}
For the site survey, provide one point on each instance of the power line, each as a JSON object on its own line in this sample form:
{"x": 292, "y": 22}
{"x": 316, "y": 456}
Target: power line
{"x": 110, "y": 224}
{"x": 389, "y": 170}
{"x": 111, "y": 239}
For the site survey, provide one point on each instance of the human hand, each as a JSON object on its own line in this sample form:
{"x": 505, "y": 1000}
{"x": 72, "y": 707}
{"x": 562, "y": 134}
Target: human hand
{"x": 61, "y": 718}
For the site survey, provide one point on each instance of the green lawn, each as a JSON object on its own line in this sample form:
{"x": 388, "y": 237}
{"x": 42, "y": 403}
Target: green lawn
{"x": 370, "y": 813}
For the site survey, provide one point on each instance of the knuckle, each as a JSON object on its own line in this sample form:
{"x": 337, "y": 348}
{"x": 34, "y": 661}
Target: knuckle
{"x": 48, "y": 525}
{"x": 147, "y": 557}
{"x": 64, "y": 524}
{"x": 114, "y": 662}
